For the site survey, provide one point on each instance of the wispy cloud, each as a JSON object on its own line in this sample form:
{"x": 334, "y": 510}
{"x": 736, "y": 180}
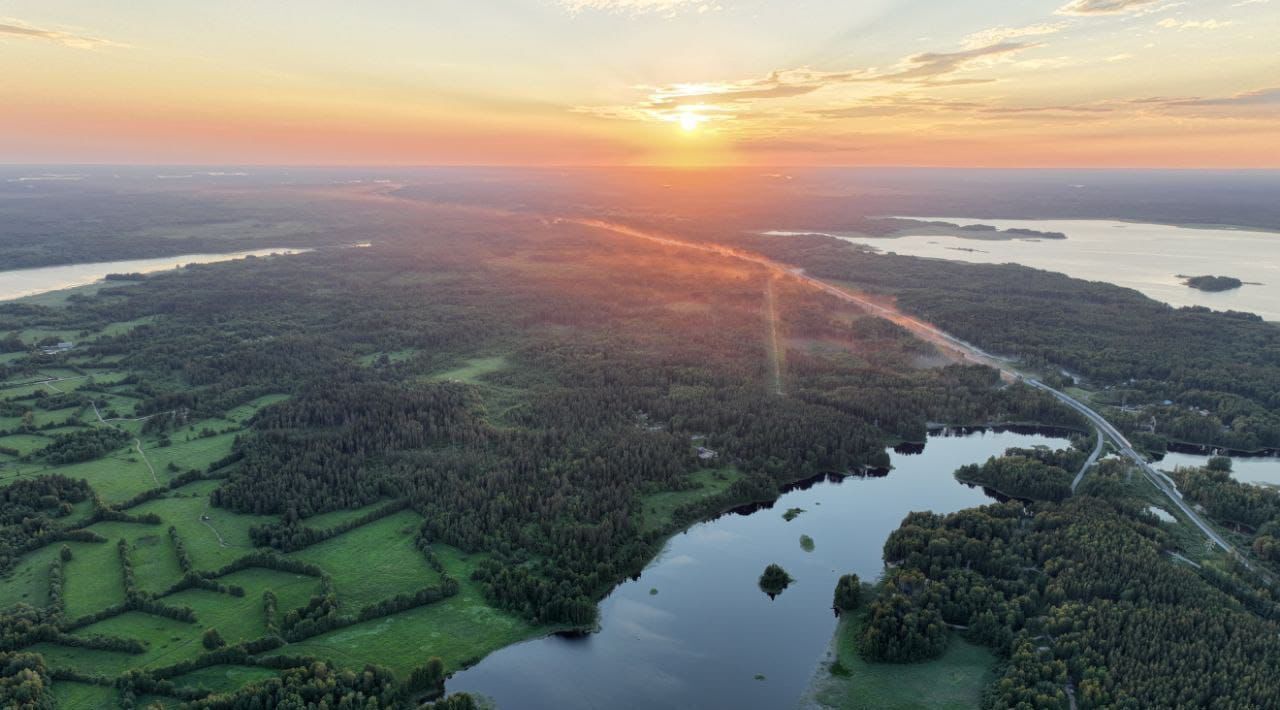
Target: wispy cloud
{"x": 1104, "y": 7}
{"x": 10, "y": 27}
{"x": 901, "y": 105}
{"x": 1259, "y": 97}
{"x": 1170, "y": 23}
{"x": 720, "y": 101}
{"x": 666, "y": 8}
{"x": 996, "y": 35}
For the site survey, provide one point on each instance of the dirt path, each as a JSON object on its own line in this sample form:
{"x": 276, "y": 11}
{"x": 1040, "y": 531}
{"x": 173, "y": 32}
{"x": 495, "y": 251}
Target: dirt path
{"x": 207, "y": 524}
{"x": 137, "y": 443}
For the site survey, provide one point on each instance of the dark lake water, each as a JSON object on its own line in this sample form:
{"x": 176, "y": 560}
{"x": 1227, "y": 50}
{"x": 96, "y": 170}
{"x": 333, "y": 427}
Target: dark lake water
{"x": 706, "y": 634}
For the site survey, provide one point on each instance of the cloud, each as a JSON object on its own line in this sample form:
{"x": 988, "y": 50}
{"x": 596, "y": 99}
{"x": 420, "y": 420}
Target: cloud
{"x": 996, "y": 35}
{"x": 1256, "y": 105}
{"x": 716, "y": 103}
{"x": 900, "y": 105}
{"x": 1103, "y": 7}
{"x": 925, "y": 67}
{"x": 10, "y": 27}
{"x": 1171, "y": 24}
{"x": 1258, "y": 97}
{"x": 665, "y": 8}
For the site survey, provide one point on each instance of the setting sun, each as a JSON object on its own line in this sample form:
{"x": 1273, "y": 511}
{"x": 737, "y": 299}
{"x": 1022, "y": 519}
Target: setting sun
{"x": 689, "y": 121}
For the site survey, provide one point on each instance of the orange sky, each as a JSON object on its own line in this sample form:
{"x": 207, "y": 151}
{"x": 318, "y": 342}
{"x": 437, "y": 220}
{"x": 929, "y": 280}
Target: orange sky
{"x": 545, "y": 82}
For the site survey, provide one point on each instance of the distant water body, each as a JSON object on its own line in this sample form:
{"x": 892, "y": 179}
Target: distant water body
{"x": 29, "y": 282}
{"x": 1144, "y": 257}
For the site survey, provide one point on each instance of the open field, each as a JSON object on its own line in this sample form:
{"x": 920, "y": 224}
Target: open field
{"x": 473, "y": 369}
{"x": 222, "y": 679}
{"x": 241, "y": 618}
{"x": 83, "y": 696}
{"x": 659, "y": 507}
{"x": 954, "y": 681}
{"x": 368, "y": 562}
{"x": 460, "y": 630}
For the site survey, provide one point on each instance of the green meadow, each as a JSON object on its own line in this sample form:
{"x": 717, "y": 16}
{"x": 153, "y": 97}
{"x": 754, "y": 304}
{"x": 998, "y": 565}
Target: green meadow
{"x": 365, "y": 565}
{"x": 954, "y": 681}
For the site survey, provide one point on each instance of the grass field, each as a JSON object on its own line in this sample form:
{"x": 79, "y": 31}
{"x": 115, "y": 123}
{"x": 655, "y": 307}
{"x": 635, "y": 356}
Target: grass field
{"x": 94, "y": 577}
{"x": 184, "y": 454}
{"x": 118, "y": 476}
{"x": 184, "y": 508}
{"x": 369, "y": 562}
{"x": 473, "y": 369}
{"x": 659, "y": 507}
{"x": 222, "y": 679}
{"x": 168, "y": 641}
{"x": 459, "y": 630}
{"x": 954, "y": 681}
{"x": 24, "y": 443}
{"x": 242, "y": 413}
{"x": 29, "y": 581}
{"x": 241, "y": 618}
{"x": 83, "y": 696}
{"x": 337, "y": 517}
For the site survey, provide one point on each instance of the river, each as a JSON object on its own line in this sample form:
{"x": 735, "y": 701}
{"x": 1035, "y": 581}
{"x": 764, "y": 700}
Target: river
{"x": 29, "y": 282}
{"x": 1144, "y": 257}
{"x": 695, "y": 631}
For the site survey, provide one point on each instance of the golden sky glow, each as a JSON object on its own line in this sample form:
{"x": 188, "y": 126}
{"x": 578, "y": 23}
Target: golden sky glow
{"x": 796, "y": 82}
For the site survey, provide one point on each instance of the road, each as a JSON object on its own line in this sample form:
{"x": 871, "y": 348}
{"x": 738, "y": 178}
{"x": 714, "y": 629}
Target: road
{"x": 1157, "y": 478}
{"x": 47, "y": 381}
{"x": 1093, "y": 458}
{"x": 953, "y": 345}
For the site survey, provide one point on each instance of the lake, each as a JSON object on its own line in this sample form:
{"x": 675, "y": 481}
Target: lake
{"x": 1250, "y": 469}
{"x": 1144, "y": 257}
{"x": 29, "y": 282}
{"x": 695, "y": 630}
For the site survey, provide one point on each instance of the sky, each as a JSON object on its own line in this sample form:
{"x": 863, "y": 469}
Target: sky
{"x": 981, "y": 83}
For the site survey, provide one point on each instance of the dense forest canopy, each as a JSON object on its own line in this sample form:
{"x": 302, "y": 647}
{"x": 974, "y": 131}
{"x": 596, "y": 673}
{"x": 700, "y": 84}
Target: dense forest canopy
{"x": 1082, "y": 600}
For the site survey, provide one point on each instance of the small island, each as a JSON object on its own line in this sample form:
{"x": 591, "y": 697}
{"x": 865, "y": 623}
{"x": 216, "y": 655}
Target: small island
{"x": 774, "y": 580}
{"x": 908, "y": 227}
{"x": 1212, "y": 283}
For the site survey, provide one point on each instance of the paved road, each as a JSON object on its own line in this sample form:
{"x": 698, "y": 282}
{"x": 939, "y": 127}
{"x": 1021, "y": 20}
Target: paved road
{"x": 955, "y": 345}
{"x": 1093, "y": 458}
{"x": 1157, "y": 478}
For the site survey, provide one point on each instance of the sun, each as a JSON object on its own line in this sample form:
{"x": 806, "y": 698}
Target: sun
{"x": 689, "y": 121}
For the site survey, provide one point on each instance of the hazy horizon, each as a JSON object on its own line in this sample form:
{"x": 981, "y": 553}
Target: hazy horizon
{"x": 1053, "y": 83}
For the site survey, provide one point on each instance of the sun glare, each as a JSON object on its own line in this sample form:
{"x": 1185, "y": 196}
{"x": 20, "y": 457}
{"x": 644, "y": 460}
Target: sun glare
{"x": 689, "y": 121}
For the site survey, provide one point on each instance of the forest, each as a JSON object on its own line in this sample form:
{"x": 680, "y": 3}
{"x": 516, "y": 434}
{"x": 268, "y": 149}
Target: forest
{"x": 1081, "y": 601}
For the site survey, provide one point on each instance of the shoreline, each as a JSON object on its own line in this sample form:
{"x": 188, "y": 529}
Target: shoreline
{"x": 160, "y": 264}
